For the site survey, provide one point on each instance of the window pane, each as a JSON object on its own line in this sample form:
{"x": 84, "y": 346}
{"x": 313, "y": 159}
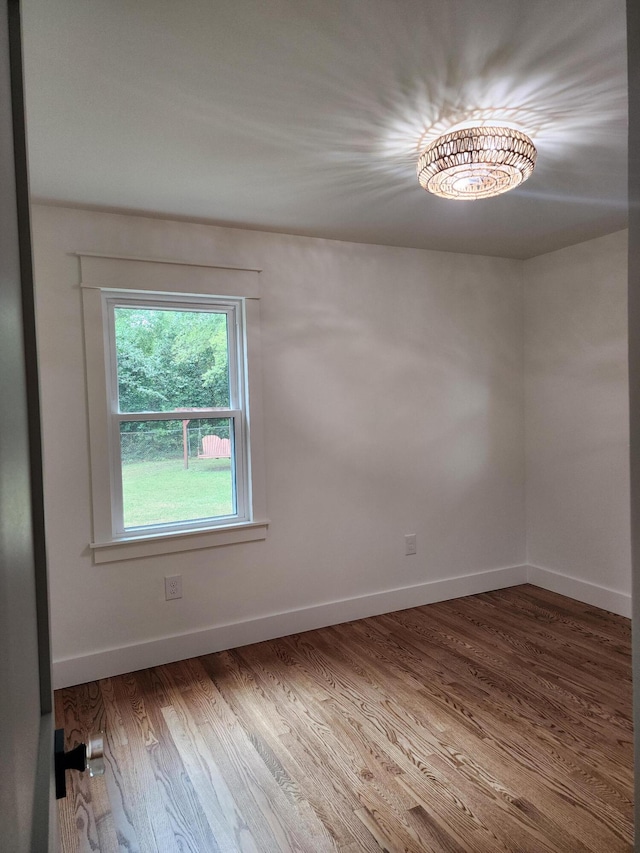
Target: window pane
{"x": 168, "y": 360}
{"x": 177, "y": 471}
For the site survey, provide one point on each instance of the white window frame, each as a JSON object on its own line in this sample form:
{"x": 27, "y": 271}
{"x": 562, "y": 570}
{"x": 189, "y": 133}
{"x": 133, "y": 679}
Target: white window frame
{"x": 111, "y": 542}
{"x": 234, "y": 310}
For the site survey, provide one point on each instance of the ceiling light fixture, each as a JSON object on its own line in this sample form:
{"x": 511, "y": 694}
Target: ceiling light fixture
{"x": 476, "y": 162}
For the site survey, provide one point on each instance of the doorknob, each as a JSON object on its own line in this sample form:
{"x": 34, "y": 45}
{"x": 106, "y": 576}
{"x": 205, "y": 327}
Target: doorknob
{"x": 85, "y": 756}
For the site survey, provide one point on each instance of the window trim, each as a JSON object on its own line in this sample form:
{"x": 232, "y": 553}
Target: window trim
{"x": 133, "y": 547}
{"x": 109, "y": 544}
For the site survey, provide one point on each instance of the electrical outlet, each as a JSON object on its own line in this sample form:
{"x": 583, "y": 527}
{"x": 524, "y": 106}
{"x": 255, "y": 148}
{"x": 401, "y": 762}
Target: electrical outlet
{"x": 173, "y": 587}
{"x": 410, "y": 544}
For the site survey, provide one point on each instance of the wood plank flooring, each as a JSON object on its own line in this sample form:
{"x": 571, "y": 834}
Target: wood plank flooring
{"x": 498, "y": 722}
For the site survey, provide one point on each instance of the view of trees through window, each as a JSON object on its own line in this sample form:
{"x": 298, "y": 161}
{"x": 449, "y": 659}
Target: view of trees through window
{"x": 174, "y": 361}
{"x": 171, "y": 359}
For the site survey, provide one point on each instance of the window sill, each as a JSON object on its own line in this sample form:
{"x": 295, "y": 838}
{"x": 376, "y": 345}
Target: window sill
{"x": 132, "y": 547}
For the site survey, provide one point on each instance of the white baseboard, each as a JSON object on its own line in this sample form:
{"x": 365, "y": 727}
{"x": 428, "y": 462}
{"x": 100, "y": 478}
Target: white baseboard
{"x": 589, "y": 593}
{"x": 103, "y": 664}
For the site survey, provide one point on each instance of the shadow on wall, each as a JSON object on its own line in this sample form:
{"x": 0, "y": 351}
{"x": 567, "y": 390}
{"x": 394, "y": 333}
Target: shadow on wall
{"x": 415, "y": 400}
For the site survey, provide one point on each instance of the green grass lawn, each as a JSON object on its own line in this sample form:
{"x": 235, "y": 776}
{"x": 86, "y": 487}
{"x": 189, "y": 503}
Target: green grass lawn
{"x": 163, "y": 492}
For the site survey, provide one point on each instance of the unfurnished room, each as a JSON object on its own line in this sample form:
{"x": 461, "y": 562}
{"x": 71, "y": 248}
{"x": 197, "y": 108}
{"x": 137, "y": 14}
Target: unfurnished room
{"x": 320, "y": 353}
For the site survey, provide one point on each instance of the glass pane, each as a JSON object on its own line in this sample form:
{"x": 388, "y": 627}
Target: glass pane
{"x": 177, "y": 471}
{"x": 170, "y": 360}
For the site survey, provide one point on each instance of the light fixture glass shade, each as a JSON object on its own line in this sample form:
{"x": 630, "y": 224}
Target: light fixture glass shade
{"x": 476, "y": 162}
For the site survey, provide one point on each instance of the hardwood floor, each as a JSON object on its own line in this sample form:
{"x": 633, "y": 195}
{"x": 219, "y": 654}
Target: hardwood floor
{"x": 498, "y": 722}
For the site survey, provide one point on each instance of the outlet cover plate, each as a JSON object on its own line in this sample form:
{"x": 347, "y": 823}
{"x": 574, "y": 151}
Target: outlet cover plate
{"x": 410, "y": 547}
{"x": 173, "y": 587}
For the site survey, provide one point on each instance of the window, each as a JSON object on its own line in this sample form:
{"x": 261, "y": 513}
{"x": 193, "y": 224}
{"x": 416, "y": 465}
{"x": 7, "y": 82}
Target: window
{"x": 177, "y": 432}
{"x": 171, "y": 460}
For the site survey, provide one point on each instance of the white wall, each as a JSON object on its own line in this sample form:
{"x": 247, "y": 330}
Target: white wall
{"x": 393, "y": 403}
{"x": 577, "y": 433}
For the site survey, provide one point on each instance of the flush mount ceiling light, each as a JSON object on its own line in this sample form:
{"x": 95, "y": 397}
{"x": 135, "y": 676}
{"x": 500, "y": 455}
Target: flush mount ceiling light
{"x": 476, "y": 162}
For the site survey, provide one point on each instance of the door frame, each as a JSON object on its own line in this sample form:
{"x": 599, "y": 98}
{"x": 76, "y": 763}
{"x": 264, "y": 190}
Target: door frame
{"x": 29, "y": 814}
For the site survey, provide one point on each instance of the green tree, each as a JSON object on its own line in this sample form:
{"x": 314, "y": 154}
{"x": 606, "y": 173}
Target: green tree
{"x": 201, "y": 347}
{"x": 171, "y": 359}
